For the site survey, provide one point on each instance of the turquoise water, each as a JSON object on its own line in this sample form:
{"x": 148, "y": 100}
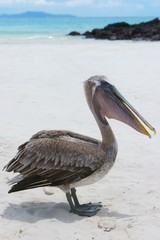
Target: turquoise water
{"x": 50, "y": 27}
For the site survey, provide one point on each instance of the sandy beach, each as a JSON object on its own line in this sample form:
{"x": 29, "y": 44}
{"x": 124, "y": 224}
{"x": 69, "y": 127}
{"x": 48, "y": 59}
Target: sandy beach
{"x": 41, "y": 87}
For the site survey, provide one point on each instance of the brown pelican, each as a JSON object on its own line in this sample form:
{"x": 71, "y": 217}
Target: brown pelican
{"x": 66, "y": 159}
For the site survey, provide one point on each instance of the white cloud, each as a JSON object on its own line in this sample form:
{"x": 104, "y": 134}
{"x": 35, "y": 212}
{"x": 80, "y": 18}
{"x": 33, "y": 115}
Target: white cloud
{"x": 4, "y": 3}
{"x": 119, "y": 3}
{"x": 32, "y": 2}
{"x": 139, "y": 6}
{"x": 155, "y": 3}
{"x": 76, "y": 3}
{"x": 109, "y": 3}
{"x": 100, "y": 4}
{"x": 65, "y": 3}
{"x": 71, "y": 3}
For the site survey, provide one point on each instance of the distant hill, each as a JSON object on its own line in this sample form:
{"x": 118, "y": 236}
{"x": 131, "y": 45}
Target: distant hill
{"x": 33, "y": 14}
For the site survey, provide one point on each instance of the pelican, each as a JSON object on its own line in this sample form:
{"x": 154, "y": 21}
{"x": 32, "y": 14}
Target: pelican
{"x": 65, "y": 159}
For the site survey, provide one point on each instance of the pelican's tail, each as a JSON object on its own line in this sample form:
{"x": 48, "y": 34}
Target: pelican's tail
{"x": 27, "y": 183}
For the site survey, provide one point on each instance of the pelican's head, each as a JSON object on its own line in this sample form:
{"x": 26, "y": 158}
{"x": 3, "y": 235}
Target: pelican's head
{"x": 105, "y": 101}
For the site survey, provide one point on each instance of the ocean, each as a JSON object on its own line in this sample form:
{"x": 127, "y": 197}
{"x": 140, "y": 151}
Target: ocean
{"x": 55, "y": 27}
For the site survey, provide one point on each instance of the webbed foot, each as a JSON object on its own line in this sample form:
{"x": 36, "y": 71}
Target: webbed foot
{"x": 89, "y": 209}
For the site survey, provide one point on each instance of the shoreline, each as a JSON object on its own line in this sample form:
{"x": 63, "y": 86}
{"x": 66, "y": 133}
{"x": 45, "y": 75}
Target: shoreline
{"x": 68, "y": 40}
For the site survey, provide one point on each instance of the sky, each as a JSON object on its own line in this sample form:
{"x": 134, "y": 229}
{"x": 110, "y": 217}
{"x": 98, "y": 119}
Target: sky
{"x": 84, "y": 7}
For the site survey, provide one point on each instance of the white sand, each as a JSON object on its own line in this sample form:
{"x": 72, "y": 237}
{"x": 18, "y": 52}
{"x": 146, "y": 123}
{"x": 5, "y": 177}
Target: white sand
{"x": 41, "y": 88}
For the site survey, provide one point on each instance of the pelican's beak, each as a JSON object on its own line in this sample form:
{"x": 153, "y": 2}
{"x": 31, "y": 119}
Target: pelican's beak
{"x": 113, "y": 105}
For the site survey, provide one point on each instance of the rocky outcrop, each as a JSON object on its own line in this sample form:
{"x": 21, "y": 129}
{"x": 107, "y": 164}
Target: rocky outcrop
{"x": 74, "y": 33}
{"x": 124, "y": 31}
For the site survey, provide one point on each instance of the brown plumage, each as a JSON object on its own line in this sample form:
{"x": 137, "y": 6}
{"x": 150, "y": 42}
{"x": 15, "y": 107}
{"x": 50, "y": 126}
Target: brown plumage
{"x": 65, "y": 159}
{"x": 55, "y": 158}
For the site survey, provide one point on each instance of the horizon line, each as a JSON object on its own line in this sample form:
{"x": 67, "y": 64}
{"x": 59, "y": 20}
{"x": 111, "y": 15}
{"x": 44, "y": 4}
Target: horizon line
{"x": 71, "y": 15}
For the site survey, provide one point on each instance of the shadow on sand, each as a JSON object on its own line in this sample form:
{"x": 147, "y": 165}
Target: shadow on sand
{"x": 33, "y": 212}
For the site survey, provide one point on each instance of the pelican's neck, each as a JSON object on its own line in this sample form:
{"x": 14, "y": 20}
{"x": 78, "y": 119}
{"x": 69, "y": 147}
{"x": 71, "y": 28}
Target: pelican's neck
{"x": 108, "y": 138}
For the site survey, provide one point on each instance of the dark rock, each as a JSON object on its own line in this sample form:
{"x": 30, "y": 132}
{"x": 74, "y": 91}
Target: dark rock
{"x": 117, "y": 25}
{"x": 74, "y": 33}
{"x": 156, "y": 37}
{"x": 88, "y": 34}
{"x": 124, "y": 31}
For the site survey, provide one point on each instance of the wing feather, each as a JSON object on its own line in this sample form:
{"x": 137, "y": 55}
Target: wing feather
{"x": 55, "y": 159}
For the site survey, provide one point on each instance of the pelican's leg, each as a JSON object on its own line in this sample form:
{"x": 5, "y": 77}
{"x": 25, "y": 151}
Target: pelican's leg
{"x": 69, "y": 198}
{"x": 74, "y": 196}
{"x": 81, "y": 209}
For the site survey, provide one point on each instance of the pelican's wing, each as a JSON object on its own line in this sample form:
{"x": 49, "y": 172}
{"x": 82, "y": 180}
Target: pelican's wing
{"x": 54, "y": 160}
